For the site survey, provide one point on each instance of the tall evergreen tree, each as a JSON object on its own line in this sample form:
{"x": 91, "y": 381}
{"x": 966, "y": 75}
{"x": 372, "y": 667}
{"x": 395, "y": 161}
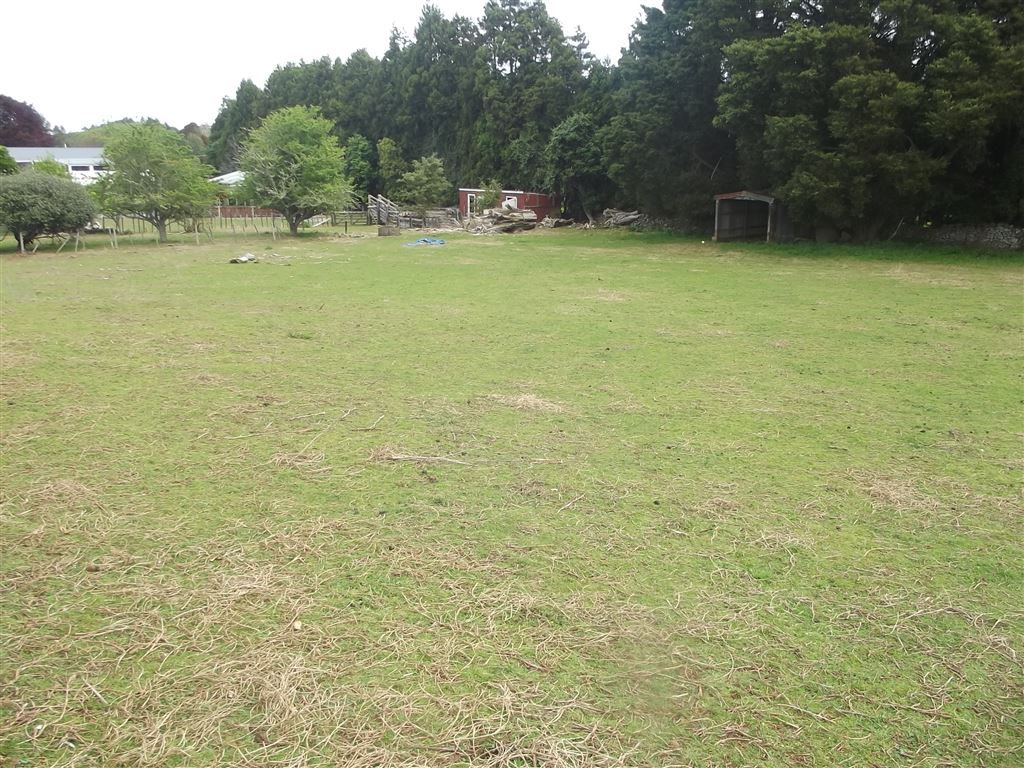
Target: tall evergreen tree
{"x": 528, "y": 77}
{"x": 575, "y": 169}
{"x": 358, "y": 165}
{"x": 236, "y": 117}
{"x": 878, "y": 116}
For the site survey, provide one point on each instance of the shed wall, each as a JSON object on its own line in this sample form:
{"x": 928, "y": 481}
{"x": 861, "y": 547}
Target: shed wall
{"x": 742, "y": 220}
{"x": 541, "y": 204}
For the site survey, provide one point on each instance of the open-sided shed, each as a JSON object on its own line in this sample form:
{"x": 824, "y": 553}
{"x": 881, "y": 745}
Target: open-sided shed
{"x": 746, "y": 215}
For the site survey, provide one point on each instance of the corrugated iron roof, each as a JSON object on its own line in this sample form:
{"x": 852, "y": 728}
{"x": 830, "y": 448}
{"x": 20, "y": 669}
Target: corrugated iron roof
{"x": 746, "y": 195}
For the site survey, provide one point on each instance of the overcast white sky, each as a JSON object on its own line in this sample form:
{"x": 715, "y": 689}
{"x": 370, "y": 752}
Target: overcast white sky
{"x": 81, "y": 64}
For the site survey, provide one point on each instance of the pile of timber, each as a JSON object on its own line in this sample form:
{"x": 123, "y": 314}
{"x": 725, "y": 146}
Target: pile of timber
{"x": 551, "y": 223}
{"x": 502, "y": 220}
{"x": 438, "y": 218}
{"x": 613, "y": 217}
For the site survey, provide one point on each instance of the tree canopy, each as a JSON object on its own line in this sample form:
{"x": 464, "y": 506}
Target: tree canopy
{"x": 293, "y": 164}
{"x": 855, "y": 114}
{"x": 575, "y": 169}
{"x": 391, "y": 164}
{"x": 153, "y": 176}
{"x": 856, "y": 127}
{"x": 358, "y": 165}
{"x": 425, "y": 185}
{"x": 22, "y": 126}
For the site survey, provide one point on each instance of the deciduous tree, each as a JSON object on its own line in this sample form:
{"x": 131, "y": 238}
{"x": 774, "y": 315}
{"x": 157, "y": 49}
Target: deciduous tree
{"x": 22, "y": 126}
{"x": 490, "y": 197}
{"x": 153, "y": 176}
{"x": 293, "y": 164}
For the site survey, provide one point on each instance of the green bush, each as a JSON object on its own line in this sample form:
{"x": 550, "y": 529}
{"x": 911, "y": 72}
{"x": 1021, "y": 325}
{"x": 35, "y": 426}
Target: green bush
{"x": 50, "y": 166}
{"x": 34, "y": 204}
{"x": 490, "y": 197}
{"x": 7, "y": 164}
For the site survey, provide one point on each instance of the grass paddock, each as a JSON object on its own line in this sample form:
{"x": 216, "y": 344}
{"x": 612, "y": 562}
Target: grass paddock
{"x": 560, "y": 499}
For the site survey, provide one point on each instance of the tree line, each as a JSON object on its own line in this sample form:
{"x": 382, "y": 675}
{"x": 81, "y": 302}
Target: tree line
{"x": 856, "y": 114}
{"x": 292, "y": 163}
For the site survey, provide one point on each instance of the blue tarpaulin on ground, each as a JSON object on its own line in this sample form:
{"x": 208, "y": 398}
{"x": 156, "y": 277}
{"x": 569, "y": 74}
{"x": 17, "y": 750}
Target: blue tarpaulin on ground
{"x": 425, "y": 241}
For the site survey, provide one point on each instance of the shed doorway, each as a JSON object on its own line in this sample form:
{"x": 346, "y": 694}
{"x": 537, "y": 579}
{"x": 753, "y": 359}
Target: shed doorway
{"x": 745, "y": 216}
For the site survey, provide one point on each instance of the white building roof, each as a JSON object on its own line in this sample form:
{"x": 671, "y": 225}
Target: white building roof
{"x": 230, "y": 179}
{"x": 66, "y": 155}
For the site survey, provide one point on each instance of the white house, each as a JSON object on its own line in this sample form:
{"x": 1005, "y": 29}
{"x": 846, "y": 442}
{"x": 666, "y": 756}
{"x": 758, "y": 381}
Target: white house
{"x": 85, "y": 164}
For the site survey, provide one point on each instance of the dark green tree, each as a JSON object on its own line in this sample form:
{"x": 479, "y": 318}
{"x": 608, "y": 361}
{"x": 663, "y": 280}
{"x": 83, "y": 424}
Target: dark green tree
{"x": 237, "y": 116}
{"x": 353, "y": 100}
{"x": 575, "y": 170}
{"x": 390, "y": 164}
{"x": 528, "y": 76}
{"x": 874, "y": 118}
{"x": 358, "y": 164}
{"x": 425, "y": 185}
{"x": 438, "y": 106}
{"x": 661, "y": 146}
{"x": 305, "y": 83}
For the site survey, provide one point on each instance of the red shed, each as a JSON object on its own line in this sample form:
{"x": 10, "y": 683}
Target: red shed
{"x": 540, "y": 203}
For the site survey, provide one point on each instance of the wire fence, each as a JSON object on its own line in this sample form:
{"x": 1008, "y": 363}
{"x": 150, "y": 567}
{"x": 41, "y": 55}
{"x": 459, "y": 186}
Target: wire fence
{"x": 225, "y": 219}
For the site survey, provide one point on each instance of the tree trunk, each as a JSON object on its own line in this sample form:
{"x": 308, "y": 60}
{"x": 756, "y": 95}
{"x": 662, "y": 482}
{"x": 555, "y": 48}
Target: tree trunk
{"x": 293, "y": 224}
{"x": 161, "y": 230}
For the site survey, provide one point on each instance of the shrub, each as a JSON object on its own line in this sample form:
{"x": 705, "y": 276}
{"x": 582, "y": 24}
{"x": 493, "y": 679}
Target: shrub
{"x": 34, "y": 204}
{"x": 50, "y": 166}
{"x": 7, "y": 164}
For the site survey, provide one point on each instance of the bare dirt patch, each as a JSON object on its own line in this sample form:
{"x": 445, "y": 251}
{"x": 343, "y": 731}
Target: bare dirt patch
{"x": 604, "y": 294}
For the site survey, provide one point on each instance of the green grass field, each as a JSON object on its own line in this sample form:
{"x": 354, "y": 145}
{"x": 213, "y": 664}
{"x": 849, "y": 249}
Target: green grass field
{"x": 560, "y": 499}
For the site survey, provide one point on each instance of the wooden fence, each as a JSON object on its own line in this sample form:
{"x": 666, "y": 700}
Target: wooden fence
{"x": 236, "y": 219}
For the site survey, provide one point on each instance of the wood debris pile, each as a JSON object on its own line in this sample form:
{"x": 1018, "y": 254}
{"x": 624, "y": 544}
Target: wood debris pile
{"x": 551, "y": 223}
{"x": 503, "y": 220}
{"x": 613, "y": 217}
